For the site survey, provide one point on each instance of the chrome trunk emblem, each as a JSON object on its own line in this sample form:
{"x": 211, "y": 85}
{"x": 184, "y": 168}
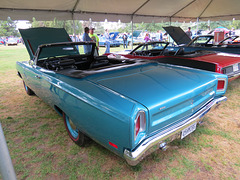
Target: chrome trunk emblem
{"x": 161, "y": 108}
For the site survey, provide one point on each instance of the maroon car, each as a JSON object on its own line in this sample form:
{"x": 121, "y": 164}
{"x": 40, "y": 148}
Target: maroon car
{"x": 224, "y": 63}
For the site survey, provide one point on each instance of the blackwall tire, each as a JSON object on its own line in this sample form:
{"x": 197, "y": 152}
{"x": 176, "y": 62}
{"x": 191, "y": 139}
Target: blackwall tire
{"x": 28, "y": 90}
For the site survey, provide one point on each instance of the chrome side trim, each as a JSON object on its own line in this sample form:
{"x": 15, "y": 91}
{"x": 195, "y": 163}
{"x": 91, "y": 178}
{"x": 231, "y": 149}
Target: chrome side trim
{"x": 151, "y": 144}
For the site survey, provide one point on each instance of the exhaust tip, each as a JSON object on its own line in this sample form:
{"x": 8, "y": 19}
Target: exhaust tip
{"x": 163, "y": 146}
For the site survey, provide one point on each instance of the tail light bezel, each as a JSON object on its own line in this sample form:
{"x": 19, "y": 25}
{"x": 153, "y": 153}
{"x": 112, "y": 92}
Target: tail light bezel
{"x": 225, "y": 84}
{"x": 141, "y": 114}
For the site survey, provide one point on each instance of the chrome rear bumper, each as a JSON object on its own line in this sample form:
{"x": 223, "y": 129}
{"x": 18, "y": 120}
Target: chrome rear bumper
{"x": 233, "y": 76}
{"x": 153, "y": 143}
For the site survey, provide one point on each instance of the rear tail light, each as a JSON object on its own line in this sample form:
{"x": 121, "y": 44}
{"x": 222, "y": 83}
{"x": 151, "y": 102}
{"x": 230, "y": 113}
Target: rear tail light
{"x": 139, "y": 124}
{"x": 221, "y": 86}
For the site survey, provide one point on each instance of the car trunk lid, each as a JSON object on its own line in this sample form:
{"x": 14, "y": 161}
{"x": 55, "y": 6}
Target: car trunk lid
{"x": 170, "y": 93}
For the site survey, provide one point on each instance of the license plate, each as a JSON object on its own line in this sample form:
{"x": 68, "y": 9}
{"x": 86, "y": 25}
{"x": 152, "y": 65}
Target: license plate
{"x": 188, "y": 130}
{"x": 235, "y": 67}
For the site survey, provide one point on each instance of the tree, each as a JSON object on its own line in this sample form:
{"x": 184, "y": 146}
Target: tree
{"x": 67, "y": 25}
{"x": 236, "y": 24}
{"x": 8, "y": 28}
{"x": 215, "y": 24}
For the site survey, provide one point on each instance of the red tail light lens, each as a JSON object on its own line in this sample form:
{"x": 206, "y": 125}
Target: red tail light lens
{"x": 139, "y": 124}
{"x": 221, "y": 84}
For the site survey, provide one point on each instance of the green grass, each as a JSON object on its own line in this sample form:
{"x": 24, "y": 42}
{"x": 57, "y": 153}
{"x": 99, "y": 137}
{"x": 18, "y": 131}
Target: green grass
{"x": 41, "y": 149}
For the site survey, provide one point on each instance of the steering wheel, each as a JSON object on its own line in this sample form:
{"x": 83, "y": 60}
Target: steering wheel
{"x": 145, "y": 53}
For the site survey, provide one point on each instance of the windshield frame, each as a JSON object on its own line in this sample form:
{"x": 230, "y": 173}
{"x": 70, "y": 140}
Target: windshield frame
{"x": 230, "y": 38}
{"x": 150, "y": 43}
{"x": 38, "y": 52}
{"x": 210, "y": 37}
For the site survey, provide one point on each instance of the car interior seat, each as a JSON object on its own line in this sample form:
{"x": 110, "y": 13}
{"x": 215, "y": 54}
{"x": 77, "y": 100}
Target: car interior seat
{"x": 180, "y": 51}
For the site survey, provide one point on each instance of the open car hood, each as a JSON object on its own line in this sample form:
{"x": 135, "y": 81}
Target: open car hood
{"x": 34, "y": 37}
{"x": 113, "y": 35}
{"x": 136, "y": 33}
{"x": 177, "y": 34}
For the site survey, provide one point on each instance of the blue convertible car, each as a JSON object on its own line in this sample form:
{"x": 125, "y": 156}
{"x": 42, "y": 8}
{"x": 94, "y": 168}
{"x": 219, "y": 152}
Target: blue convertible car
{"x": 131, "y": 107}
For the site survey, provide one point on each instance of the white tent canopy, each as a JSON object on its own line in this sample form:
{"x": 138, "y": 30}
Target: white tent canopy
{"x": 124, "y": 10}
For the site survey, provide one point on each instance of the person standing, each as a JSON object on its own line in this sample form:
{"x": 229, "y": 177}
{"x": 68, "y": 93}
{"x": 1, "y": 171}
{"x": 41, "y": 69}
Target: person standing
{"x": 159, "y": 35}
{"x": 107, "y": 41}
{"x": 189, "y": 32}
{"x": 125, "y": 43}
{"x": 232, "y": 32}
{"x": 95, "y": 38}
{"x": 87, "y": 48}
{"x": 147, "y": 38}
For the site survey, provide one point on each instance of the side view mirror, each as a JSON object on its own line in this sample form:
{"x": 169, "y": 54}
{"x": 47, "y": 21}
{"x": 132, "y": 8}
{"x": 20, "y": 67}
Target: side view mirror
{"x": 31, "y": 62}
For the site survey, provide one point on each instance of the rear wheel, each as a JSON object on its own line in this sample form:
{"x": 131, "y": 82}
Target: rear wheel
{"x": 77, "y": 137}
{"x": 28, "y": 90}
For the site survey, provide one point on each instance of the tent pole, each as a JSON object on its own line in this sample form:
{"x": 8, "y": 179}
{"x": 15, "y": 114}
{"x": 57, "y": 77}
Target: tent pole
{"x": 132, "y": 30}
{"x": 74, "y": 28}
{"x": 6, "y": 166}
{"x": 169, "y": 39}
{"x": 209, "y": 25}
{"x": 197, "y": 23}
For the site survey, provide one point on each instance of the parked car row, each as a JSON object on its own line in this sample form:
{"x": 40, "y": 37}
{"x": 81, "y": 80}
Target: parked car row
{"x": 113, "y": 41}
{"x": 131, "y": 104}
{"x": 202, "y": 42}
{"x": 116, "y": 39}
{"x": 10, "y": 41}
{"x": 135, "y": 38}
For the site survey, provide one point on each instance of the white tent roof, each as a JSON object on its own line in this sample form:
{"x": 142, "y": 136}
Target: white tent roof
{"x": 125, "y": 10}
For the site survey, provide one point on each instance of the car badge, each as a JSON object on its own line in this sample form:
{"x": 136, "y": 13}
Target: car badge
{"x": 161, "y": 108}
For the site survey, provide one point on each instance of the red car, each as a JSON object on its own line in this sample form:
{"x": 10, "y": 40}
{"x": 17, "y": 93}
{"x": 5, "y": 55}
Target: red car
{"x": 224, "y": 63}
{"x": 231, "y": 40}
{"x": 1, "y": 41}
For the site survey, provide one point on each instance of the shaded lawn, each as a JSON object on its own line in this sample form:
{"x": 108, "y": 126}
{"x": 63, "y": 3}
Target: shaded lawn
{"x": 41, "y": 149}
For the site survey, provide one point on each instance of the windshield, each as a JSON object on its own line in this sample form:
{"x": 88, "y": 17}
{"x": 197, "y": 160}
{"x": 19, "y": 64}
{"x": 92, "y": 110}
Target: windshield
{"x": 65, "y": 50}
{"x": 229, "y": 40}
{"x": 202, "y": 40}
{"x": 151, "y": 46}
